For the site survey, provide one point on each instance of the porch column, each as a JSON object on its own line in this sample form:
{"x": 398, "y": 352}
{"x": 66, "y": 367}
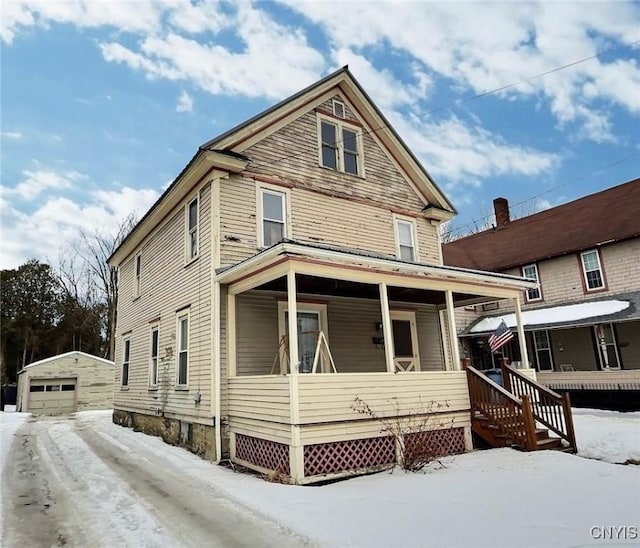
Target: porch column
{"x": 387, "y": 329}
{"x": 231, "y": 335}
{"x": 296, "y": 449}
{"x": 292, "y": 306}
{"x": 524, "y": 357}
{"x": 453, "y": 334}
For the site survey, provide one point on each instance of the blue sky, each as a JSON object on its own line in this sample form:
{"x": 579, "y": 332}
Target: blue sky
{"x": 104, "y": 102}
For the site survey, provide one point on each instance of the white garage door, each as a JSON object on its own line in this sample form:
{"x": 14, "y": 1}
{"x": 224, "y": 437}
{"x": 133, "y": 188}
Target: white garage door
{"x": 52, "y": 396}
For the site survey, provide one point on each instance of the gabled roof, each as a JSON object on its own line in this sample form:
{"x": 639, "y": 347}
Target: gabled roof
{"x": 235, "y": 140}
{"x": 76, "y": 353}
{"x": 602, "y": 218}
{"x": 224, "y": 152}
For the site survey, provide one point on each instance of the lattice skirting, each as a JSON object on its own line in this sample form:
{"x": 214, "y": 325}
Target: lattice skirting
{"x": 339, "y": 456}
{"x": 267, "y": 454}
{"x": 437, "y": 443}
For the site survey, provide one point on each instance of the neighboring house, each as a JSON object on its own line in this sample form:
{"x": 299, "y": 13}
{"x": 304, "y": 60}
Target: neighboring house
{"x": 314, "y": 210}
{"x": 583, "y": 322}
{"x": 66, "y": 383}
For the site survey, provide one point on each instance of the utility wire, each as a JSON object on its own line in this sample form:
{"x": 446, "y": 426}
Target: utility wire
{"x": 459, "y": 102}
{"x": 480, "y": 220}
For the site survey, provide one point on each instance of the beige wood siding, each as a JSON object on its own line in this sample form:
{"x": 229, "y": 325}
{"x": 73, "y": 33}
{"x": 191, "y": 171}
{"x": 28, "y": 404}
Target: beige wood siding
{"x": 326, "y": 400}
{"x": 168, "y": 284}
{"x": 292, "y": 153}
{"x": 315, "y": 218}
{"x": 351, "y": 323}
{"x": 329, "y": 398}
{"x": 94, "y": 386}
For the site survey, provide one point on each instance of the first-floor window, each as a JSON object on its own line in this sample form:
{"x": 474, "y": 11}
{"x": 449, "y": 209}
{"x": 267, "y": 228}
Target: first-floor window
{"x": 183, "y": 350}
{"x": 153, "y": 361}
{"x": 126, "y": 357}
{"x": 544, "y": 357}
{"x": 405, "y": 238}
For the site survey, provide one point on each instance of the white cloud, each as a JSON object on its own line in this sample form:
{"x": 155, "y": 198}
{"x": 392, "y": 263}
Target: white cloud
{"x": 275, "y": 60}
{"x": 124, "y": 15}
{"x": 11, "y": 134}
{"x": 42, "y": 233}
{"x": 460, "y": 42}
{"x": 36, "y": 182}
{"x": 185, "y": 102}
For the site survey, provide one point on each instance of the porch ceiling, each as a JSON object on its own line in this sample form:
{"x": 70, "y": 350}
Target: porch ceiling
{"x": 313, "y": 285}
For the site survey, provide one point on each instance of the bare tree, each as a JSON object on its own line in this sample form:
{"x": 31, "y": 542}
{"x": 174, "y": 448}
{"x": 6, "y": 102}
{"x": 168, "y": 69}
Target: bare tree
{"x": 89, "y": 272}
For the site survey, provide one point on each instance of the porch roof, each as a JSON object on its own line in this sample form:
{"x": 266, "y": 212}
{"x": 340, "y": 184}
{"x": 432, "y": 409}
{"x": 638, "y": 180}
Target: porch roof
{"x": 611, "y": 309}
{"x": 360, "y": 266}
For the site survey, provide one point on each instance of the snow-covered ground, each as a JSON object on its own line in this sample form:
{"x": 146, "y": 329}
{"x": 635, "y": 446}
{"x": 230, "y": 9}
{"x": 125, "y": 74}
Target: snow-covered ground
{"x": 485, "y": 498}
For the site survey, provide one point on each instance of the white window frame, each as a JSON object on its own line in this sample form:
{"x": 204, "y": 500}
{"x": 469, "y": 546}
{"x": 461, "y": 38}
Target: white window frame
{"x": 584, "y": 270}
{"x": 339, "y": 104}
{"x": 272, "y": 189}
{"x": 309, "y": 308}
{"x": 179, "y": 343}
{"x": 541, "y": 349}
{"x": 137, "y": 273}
{"x": 126, "y": 361}
{"x": 154, "y": 365}
{"x": 536, "y": 279}
{"x": 397, "y": 220}
{"x": 189, "y": 254}
{"x": 341, "y": 124}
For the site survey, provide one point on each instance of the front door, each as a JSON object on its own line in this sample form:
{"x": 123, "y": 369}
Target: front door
{"x": 311, "y": 320}
{"x": 405, "y": 340}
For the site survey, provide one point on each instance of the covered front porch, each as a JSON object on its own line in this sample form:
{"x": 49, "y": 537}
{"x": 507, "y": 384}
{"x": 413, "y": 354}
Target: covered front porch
{"x": 368, "y": 331}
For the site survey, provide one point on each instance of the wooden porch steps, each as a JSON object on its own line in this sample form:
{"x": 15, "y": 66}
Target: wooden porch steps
{"x": 523, "y": 414}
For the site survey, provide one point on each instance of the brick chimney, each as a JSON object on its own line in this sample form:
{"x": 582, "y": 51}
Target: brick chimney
{"x": 501, "y": 209}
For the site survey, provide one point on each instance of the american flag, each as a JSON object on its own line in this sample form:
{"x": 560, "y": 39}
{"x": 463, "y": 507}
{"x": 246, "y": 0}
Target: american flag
{"x": 500, "y": 337}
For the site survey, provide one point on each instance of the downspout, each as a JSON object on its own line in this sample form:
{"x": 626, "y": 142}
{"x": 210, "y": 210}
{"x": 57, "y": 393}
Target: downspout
{"x": 216, "y": 370}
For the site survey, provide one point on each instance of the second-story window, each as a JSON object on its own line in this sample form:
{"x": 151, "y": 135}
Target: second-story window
{"x": 192, "y": 229}
{"x": 531, "y": 273}
{"x": 405, "y": 240}
{"x": 340, "y": 147}
{"x": 138, "y": 275}
{"x": 274, "y": 216}
{"x": 592, "y": 270}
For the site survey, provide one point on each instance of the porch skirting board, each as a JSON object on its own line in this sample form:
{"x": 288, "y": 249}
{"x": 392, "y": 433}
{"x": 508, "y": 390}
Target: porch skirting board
{"x": 337, "y": 459}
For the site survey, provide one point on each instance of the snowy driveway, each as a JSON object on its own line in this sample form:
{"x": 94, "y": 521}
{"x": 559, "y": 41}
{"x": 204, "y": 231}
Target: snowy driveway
{"x": 67, "y": 482}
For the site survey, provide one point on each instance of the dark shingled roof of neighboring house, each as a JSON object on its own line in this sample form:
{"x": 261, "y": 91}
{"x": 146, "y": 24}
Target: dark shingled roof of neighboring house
{"x": 605, "y": 217}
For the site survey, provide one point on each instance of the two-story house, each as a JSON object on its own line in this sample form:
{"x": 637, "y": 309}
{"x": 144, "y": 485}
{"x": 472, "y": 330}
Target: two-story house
{"x": 293, "y": 266}
{"x": 582, "y": 323}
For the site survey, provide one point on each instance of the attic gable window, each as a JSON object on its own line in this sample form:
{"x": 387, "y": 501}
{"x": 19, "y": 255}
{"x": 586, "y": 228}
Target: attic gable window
{"x": 338, "y": 109}
{"x": 592, "y": 270}
{"x": 340, "y": 146}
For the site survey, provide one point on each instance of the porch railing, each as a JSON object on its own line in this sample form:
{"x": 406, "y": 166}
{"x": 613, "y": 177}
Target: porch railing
{"x": 511, "y": 415}
{"x": 548, "y": 407}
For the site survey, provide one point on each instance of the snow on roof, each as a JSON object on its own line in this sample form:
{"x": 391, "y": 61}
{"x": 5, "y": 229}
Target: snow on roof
{"x": 554, "y": 314}
{"x": 66, "y": 354}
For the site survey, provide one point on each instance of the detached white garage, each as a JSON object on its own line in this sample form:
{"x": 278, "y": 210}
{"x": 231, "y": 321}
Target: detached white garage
{"x": 66, "y": 383}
